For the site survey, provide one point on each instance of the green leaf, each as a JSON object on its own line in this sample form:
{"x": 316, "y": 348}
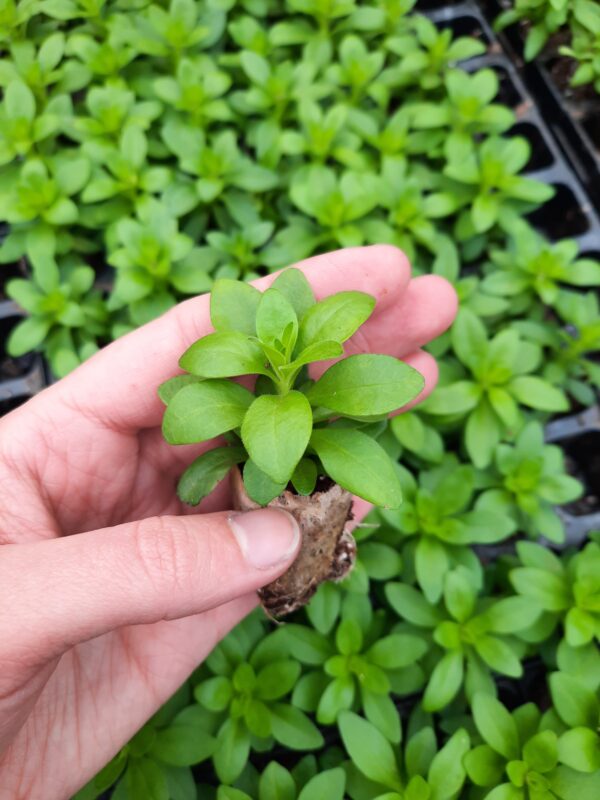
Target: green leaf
{"x": 145, "y": 778}
{"x": 274, "y": 318}
{"x": 293, "y": 285}
{"x": 458, "y": 398}
{"x": 233, "y": 748}
{"x": 328, "y": 785}
{"x": 579, "y": 749}
{"x": 570, "y": 785}
{"x": 445, "y": 681}
{"x": 233, "y": 306}
{"x": 203, "y": 474}
{"x": 319, "y": 351}
{"x": 447, "y": 774}
{"x": 19, "y": 102}
{"x": 182, "y": 745}
{"x": 366, "y": 385}
{"x": 577, "y": 705}
{"x": 259, "y": 486}
{"x": 548, "y": 590}
{"x": 224, "y": 355}
{"x": 292, "y": 728}
{"x": 360, "y": 465}
{"x": 496, "y": 725}
{"x": 28, "y": 335}
{"x": 499, "y": 655}
{"x": 537, "y": 393}
{"x": 484, "y": 766}
{"x": 369, "y": 750}
{"x": 276, "y": 431}
{"x": 412, "y": 606}
{"x": 380, "y": 711}
{"x": 336, "y": 317}
{"x": 201, "y": 411}
{"x": 276, "y": 783}
{"x": 304, "y": 477}
{"x": 431, "y": 565}
{"x": 308, "y": 646}
{"x": 397, "y": 650}
{"x": 168, "y": 389}
{"x": 482, "y": 434}
{"x": 541, "y": 751}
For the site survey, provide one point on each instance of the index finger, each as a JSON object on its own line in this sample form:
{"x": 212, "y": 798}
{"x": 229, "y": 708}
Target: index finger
{"x": 118, "y": 385}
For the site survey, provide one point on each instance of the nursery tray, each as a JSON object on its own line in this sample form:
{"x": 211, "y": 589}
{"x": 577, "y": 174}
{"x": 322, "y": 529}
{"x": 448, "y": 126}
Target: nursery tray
{"x": 576, "y": 127}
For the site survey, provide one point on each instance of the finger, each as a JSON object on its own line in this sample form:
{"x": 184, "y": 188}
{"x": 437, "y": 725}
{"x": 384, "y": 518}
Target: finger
{"x": 72, "y": 589}
{"x": 426, "y": 364}
{"x": 129, "y": 370}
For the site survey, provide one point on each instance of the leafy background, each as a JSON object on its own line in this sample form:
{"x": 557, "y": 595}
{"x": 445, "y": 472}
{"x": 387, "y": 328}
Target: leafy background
{"x": 176, "y": 142}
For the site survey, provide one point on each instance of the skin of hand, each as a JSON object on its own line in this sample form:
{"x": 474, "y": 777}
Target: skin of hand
{"x": 111, "y": 591}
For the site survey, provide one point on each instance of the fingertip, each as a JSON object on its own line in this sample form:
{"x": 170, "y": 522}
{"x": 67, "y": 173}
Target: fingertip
{"x": 442, "y": 299}
{"x": 426, "y": 364}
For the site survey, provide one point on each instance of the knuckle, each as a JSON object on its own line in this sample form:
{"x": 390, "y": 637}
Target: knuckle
{"x": 166, "y": 553}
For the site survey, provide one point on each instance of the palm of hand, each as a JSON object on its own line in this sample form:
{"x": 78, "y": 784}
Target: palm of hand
{"x": 88, "y": 454}
{"x": 106, "y": 477}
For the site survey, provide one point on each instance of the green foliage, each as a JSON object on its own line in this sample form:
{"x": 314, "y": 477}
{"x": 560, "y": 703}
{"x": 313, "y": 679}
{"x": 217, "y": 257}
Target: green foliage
{"x": 527, "y": 480}
{"x": 580, "y": 19}
{"x": 570, "y": 590}
{"x": 275, "y": 429}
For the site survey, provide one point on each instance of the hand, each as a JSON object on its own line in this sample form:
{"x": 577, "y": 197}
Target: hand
{"x": 111, "y": 591}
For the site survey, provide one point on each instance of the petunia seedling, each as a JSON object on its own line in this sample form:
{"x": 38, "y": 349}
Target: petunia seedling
{"x": 304, "y": 444}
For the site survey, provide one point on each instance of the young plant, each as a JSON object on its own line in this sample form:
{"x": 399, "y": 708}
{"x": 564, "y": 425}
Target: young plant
{"x": 532, "y": 269}
{"x": 154, "y": 261}
{"x": 438, "y": 511}
{"x": 570, "y": 591}
{"x": 494, "y": 192}
{"x": 290, "y": 429}
{"x": 521, "y": 759}
{"x": 474, "y": 637}
{"x": 278, "y": 782}
{"x": 357, "y": 670}
{"x": 529, "y": 479}
{"x": 423, "y": 772}
{"x": 66, "y": 315}
{"x": 244, "y": 686}
{"x": 500, "y": 380}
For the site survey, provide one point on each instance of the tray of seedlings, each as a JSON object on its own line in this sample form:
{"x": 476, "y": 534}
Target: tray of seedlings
{"x": 457, "y": 659}
{"x": 556, "y": 46}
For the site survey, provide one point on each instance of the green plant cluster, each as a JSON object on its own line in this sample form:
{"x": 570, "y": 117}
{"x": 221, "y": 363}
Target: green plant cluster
{"x": 184, "y": 142}
{"x": 282, "y": 430}
{"x": 579, "y": 19}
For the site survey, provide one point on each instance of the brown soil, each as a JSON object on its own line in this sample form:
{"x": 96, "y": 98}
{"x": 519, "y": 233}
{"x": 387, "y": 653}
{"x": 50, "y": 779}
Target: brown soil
{"x": 328, "y": 550}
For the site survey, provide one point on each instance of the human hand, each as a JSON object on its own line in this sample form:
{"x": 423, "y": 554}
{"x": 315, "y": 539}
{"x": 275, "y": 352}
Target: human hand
{"x": 111, "y": 591}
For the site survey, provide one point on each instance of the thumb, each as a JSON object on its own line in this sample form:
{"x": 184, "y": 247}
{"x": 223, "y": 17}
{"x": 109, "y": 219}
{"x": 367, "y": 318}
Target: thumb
{"x": 67, "y": 590}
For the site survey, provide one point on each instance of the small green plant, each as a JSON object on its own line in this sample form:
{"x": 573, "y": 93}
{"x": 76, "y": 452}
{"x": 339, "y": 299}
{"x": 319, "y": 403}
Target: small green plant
{"x": 498, "y": 381}
{"x": 528, "y": 481}
{"x": 570, "y": 591}
{"x": 357, "y": 670}
{"x": 290, "y": 428}
{"x": 276, "y": 781}
{"x": 533, "y": 268}
{"x": 524, "y": 760}
{"x": 440, "y": 521}
{"x": 67, "y": 316}
{"x": 474, "y": 638}
{"x": 424, "y": 773}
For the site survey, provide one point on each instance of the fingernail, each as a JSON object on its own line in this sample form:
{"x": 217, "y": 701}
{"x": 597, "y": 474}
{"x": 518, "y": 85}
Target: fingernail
{"x": 266, "y": 536}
